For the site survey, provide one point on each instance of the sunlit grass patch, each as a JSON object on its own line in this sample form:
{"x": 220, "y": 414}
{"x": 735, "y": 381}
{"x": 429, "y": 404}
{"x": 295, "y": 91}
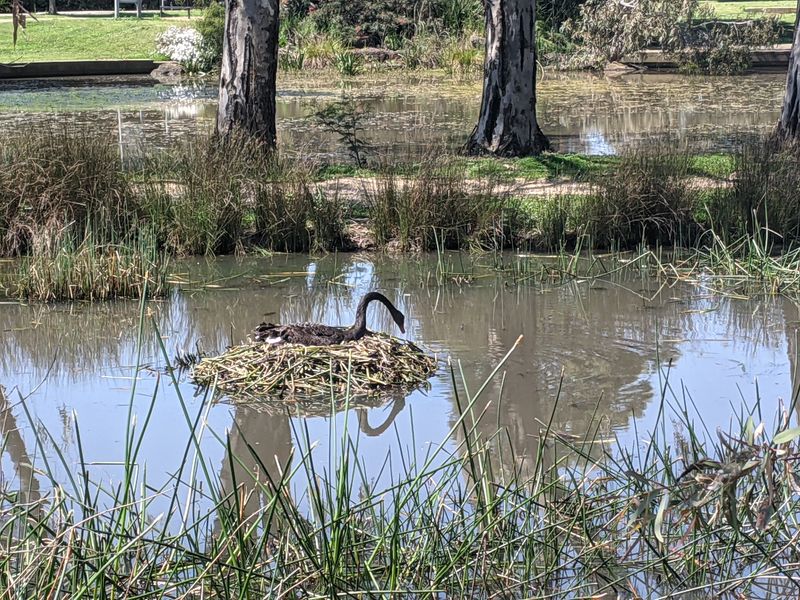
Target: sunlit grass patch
{"x": 718, "y": 166}
{"x": 86, "y": 38}
{"x": 737, "y": 10}
{"x": 546, "y": 166}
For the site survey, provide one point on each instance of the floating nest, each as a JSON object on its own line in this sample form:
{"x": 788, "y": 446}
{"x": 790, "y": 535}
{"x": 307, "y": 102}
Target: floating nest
{"x": 374, "y": 363}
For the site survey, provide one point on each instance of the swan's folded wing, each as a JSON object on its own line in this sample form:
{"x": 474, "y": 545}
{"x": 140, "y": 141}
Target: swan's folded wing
{"x": 318, "y": 330}
{"x": 310, "y": 334}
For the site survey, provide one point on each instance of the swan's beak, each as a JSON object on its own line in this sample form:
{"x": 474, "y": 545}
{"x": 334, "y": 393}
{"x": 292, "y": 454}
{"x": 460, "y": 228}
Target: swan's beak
{"x": 402, "y": 327}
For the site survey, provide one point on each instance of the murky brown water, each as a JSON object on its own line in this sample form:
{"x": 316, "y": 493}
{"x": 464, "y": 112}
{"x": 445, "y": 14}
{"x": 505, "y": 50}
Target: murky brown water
{"x": 406, "y": 114}
{"x": 605, "y": 343}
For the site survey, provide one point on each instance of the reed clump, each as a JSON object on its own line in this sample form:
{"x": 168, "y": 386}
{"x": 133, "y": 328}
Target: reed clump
{"x": 66, "y": 270}
{"x": 210, "y": 196}
{"x": 765, "y": 191}
{"x": 741, "y": 267}
{"x": 361, "y": 367}
{"x": 459, "y": 55}
{"x": 291, "y": 216}
{"x": 439, "y": 208}
{"x": 197, "y": 193}
{"x": 554, "y": 222}
{"x": 648, "y": 197}
{"x": 51, "y": 179}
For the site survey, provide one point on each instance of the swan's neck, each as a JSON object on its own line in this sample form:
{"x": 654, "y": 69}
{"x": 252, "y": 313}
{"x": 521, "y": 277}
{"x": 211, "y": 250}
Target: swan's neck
{"x": 359, "y": 328}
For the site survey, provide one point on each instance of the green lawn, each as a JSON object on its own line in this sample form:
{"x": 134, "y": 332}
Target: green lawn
{"x": 98, "y": 37}
{"x": 75, "y": 38}
{"x": 736, "y": 10}
{"x": 549, "y": 166}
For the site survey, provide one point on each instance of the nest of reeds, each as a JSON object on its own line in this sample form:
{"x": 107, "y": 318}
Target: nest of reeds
{"x": 362, "y": 368}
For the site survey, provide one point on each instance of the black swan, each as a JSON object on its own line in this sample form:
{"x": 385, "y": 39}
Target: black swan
{"x": 314, "y": 334}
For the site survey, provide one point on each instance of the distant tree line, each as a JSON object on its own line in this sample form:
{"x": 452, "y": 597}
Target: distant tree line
{"x": 361, "y": 22}
{"x": 370, "y": 22}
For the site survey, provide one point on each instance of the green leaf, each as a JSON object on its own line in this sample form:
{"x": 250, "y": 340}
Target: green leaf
{"x": 749, "y": 430}
{"x": 787, "y": 435}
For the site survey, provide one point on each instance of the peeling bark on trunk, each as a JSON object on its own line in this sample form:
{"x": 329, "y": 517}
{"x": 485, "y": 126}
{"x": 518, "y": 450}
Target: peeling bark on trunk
{"x": 507, "y": 124}
{"x": 249, "y": 68}
{"x": 789, "y": 125}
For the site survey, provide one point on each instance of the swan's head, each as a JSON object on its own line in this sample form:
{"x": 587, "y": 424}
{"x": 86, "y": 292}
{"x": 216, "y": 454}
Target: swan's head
{"x": 400, "y": 319}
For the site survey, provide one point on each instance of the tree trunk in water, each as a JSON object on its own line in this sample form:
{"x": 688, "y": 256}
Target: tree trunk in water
{"x": 51, "y": 7}
{"x": 249, "y": 68}
{"x": 789, "y": 125}
{"x": 507, "y": 124}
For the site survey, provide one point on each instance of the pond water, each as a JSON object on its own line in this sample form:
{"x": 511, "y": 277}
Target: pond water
{"x": 610, "y": 346}
{"x": 406, "y": 114}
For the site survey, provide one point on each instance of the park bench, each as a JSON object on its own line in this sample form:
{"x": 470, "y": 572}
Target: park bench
{"x": 137, "y": 3}
{"x": 164, "y": 6}
{"x": 771, "y": 11}
{"x": 172, "y": 5}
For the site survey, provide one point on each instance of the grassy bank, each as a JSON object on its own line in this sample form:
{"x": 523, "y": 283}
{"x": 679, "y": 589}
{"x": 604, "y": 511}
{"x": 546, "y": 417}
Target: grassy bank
{"x": 550, "y": 166}
{"x": 204, "y": 198}
{"x": 86, "y": 38}
{"x": 682, "y": 514}
{"x": 453, "y": 44}
{"x": 749, "y": 10}
{"x": 60, "y": 188}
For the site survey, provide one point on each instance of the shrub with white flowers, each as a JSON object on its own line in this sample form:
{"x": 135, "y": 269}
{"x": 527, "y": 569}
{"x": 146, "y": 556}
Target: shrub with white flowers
{"x": 184, "y": 45}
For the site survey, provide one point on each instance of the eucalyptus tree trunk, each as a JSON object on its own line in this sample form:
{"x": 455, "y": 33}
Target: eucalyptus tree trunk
{"x": 507, "y": 124}
{"x": 789, "y": 125}
{"x": 51, "y": 7}
{"x": 249, "y": 68}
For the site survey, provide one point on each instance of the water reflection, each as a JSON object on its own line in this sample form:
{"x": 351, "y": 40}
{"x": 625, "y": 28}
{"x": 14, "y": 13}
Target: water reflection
{"x": 261, "y": 448}
{"x": 21, "y": 459}
{"x": 259, "y": 454}
{"x": 603, "y": 345}
{"x": 407, "y": 114}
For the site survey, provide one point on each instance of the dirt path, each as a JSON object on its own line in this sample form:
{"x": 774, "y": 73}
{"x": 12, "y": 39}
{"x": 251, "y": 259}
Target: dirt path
{"x": 357, "y": 189}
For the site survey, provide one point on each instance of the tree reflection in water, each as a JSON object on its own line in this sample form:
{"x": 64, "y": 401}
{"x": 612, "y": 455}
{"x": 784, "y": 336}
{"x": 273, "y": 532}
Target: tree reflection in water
{"x": 12, "y": 442}
{"x": 260, "y": 451}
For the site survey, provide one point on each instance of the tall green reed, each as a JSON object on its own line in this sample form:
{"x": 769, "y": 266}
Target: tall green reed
{"x": 647, "y": 196}
{"x": 765, "y": 192}
{"x": 213, "y": 197}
